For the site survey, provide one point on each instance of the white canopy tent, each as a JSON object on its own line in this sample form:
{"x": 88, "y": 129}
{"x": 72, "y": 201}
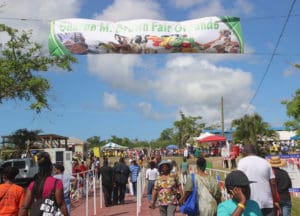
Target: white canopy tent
{"x": 113, "y": 146}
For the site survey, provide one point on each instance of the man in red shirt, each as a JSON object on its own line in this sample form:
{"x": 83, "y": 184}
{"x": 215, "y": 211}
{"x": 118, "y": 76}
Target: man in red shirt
{"x": 82, "y": 169}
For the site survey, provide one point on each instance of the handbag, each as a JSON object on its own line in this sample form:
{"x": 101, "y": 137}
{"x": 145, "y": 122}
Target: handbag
{"x": 45, "y": 206}
{"x": 190, "y": 206}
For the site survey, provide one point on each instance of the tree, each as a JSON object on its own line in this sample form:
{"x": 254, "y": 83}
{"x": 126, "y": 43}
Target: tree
{"x": 20, "y": 62}
{"x": 250, "y": 129}
{"x": 94, "y": 141}
{"x": 293, "y": 111}
{"x": 187, "y": 127}
{"x": 24, "y": 139}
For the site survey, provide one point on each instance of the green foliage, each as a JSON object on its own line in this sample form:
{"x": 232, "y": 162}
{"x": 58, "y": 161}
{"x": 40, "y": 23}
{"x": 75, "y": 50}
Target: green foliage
{"x": 20, "y": 61}
{"x": 251, "y": 128}
{"x": 293, "y": 111}
{"x": 186, "y": 127}
{"x": 22, "y": 136}
{"x": 94, "y": 141}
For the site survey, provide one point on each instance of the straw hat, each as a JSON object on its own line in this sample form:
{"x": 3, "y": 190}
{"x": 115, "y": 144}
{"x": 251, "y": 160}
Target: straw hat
{"x": 275, "y": 161}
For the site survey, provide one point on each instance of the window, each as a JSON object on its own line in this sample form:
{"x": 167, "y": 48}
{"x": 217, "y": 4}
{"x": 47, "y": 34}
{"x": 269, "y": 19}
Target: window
{"x": 19, "y": 164}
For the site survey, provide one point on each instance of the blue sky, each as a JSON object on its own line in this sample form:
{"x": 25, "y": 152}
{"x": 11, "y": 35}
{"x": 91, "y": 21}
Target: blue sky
{"x": 138, "y": 96}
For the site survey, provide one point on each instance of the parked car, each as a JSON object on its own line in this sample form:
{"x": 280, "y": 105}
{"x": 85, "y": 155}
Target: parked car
{"x": 27, "y": 169}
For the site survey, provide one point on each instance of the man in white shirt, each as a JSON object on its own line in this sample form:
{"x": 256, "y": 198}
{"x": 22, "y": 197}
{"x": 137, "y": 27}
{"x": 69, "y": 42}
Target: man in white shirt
{"x": 259, "y": 170}
{"x": 151, "y": 175}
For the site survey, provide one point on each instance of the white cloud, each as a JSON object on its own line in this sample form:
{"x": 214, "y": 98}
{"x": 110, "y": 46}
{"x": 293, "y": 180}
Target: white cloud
{"x": 148, "y": 112}
{"x": 218, "y": 8}
{"x": 185, "y": 4}
{"x": 110, "y": 101}
{"x": 197, "y": 87}
{"x": 131, "y": 9}
{"x": 37, "y": 15}
{"x": 118, "y": 71}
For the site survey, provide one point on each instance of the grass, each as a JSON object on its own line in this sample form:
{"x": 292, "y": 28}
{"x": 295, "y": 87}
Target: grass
{"x": 295, "y": 206}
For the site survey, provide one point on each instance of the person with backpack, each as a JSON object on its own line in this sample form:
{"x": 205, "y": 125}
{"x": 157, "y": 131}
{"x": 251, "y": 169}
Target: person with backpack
{"x": 43, "y": 187}
{"x": 121, "y": 174}
{"x": 209, "y": 194}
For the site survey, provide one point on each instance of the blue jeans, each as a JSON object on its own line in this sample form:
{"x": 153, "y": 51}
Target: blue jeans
{"x": 134, "y": 188}
{"x": 286, "y": 207}
{"x": 68, "y": 203}
{"x": 150, "y": 189}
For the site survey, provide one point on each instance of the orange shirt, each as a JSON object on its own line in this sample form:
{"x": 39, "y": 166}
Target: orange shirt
{"x": 12, "y": 200}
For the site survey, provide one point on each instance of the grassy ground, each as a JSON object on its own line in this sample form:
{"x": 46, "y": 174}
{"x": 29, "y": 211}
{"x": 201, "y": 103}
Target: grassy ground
{"x": 295, "y": 206}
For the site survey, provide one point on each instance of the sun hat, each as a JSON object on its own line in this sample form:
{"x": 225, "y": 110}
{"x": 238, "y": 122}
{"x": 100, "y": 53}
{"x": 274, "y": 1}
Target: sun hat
{"x": 275, "y": 161}
{"x": 237, "y": 178}
{"x": 165, "y": 162}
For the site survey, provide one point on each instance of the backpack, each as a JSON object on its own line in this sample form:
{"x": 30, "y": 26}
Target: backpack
{"x": 190, "y": 206}
{"x": 45, "y": 206}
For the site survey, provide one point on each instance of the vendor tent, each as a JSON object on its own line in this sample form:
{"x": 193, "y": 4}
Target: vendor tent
{"x": 210, "y": 138}
{"x": 203, "y": 135}
{"x": 113, "y": 146}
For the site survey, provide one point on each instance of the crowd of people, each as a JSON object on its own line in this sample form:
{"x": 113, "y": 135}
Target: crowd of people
{"x": 256, "y": 186}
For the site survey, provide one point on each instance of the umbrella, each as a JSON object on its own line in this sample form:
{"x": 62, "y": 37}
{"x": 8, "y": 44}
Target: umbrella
{"x": 212, "y": 138}
{"x": 172, "y": 147}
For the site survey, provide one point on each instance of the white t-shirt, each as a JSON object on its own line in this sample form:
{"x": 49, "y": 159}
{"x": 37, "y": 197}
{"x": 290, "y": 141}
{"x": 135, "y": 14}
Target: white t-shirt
{"x": 259, "y": 170}
{"x": 66, "y": 179}
{"x": 151, "y": 174}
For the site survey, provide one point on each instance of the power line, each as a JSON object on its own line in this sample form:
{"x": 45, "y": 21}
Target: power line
{"x": 244, "y": 19}
{"x": 272, "y": 56}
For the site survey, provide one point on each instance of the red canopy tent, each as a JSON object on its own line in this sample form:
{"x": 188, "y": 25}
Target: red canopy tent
{"x": 212, "y": 138}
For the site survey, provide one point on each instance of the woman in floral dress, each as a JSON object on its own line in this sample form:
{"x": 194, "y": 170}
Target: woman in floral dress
{"x": 166, "y": 190}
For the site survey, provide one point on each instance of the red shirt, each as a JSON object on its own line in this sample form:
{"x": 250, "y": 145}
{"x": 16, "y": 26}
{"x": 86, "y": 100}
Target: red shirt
{"x": 48, "y": 186}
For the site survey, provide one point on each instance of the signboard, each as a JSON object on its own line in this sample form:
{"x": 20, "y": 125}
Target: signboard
{"x": 145, "y": 36}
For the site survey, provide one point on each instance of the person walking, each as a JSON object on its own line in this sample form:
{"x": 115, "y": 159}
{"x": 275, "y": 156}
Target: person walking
{"x": 209, "y": 194}
{"x": 184, "y": 166}
{"x": 283, "y": 182}
{"x": 237, "y": 186}
{"x": 106, "y": 173}
{"x": 67, "y": 180}
{"x": 264, "y": 191}
{"x": 151, "y": 175}
{"x": 165, "y": 190}
{"x": 121, "y": 174}
{"x": 134, "y": 173}
{"x": 11, "y": 195}
{"x": 225, "y": 155}
{"x": 43, "y": 185}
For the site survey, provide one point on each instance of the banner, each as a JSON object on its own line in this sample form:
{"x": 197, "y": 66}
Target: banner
{"x": 96, "y": 152}
{"x": 145, "y": 36}
{"x": 293, "y": 169}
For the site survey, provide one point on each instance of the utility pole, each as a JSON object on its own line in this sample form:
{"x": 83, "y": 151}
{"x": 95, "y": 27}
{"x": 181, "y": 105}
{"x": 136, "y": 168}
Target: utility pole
{"x": 222, "y": 115}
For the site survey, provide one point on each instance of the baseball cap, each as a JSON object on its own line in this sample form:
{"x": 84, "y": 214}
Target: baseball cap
{"x": 237, "y": 178}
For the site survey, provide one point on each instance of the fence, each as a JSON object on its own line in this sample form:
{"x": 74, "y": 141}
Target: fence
{"x": 89, "y": 188}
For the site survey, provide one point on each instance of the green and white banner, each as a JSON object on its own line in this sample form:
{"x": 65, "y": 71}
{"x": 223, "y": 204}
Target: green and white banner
{"x": 145, "y": 36}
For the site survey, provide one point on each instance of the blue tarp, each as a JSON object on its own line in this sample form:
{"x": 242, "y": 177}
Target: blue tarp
{"x": 172, "y": 147}
{"x": 295, "y": 137}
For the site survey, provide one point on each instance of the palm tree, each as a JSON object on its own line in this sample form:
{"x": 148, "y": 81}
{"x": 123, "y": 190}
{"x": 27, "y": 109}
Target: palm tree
{"x": 251, "y": 128}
